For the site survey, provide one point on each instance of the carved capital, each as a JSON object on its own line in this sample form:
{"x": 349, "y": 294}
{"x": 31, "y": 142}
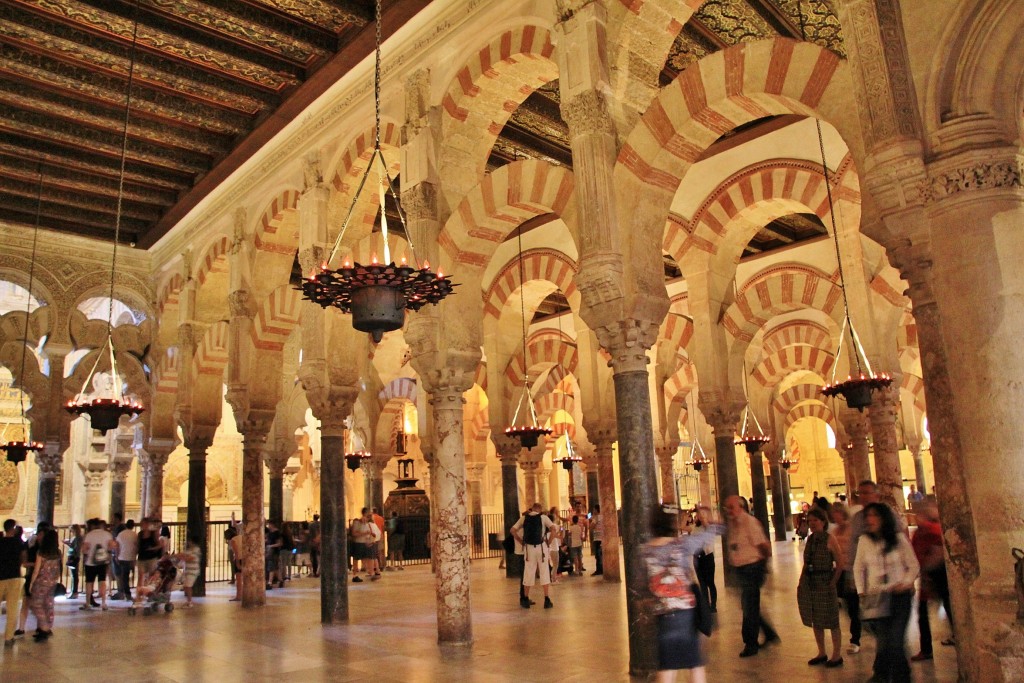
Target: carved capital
{"x": 50, "y": 463}
{"x": 331, "y": 406}
{"x": 721, "y": 412}
{"x": 475, "y": 471}
{"x": 856, "y": 425}
{"x": 949, "y": 181}
{"x": 586, "y": 113}
{"x": 240, "y": 304}
{"x": 275, "y": 464}
{"x": 119, "y": 470}
{"x": 187, "y": 337}
{"x": 312, "y": 175}
{"x": 310, "y": 259}
{"x": 530, "y": 467}
{"x": 373, "y": 467}
{"x": 628, "y": 342}
{"x": 507, "y": 447}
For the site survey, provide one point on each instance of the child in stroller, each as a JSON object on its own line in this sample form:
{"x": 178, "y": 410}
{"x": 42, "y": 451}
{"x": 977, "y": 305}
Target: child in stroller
{"x": 156, "y": 588}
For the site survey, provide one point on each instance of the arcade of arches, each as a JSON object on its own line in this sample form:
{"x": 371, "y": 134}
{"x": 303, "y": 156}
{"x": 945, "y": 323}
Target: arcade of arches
{"x": 679, "y": 266}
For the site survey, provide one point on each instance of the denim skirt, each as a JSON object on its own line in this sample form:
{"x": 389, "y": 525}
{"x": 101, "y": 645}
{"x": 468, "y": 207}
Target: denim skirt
{"x": 678, "y": 641}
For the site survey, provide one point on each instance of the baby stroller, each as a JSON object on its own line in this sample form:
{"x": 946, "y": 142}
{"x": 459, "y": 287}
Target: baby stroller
{"x": 156, "y": 588}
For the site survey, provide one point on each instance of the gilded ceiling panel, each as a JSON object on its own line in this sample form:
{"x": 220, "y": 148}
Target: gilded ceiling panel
{"x": 336, "y": 16}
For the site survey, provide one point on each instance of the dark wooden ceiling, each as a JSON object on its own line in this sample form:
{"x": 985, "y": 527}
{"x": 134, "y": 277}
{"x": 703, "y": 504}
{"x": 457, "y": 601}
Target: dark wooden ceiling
{"x": 214, "y": 81}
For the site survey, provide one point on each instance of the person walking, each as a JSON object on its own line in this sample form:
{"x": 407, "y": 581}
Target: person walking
{"x": 193, "y": 558}
{"x": 749, "y": 551}
{"x": 816, "y": 593}
{"x": 45, "y": 575}
{"x": 127, "y": 553}
{"x": 927, "y": 544}
{"x": 314, "y": 546}
{"x": 272, "y": 554}
{"x": 96, "y": 549}
{"x": 554, "y": 544}
{"x": 238, "y": 560}
{"x": 885, "y": 570}
{"x": 596, "y": 538}
{"x": 12, "y": 557}
{"x": 396, "y": 542}
{"x": 530, "y": 531}
{"x": 74, "y": 544}
{"x": 705, "y": 565}
{"x": 671, "y": 578}
{"x": 151, "y": 548}
{"x": 577, "y": 534}
{"x": 841, "y": 531}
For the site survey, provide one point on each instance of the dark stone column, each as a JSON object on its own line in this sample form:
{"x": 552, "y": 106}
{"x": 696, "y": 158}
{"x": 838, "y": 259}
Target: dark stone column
{"x": 117, "y": 493}
{"x": 788, "y": 494}
{"x": 780, "y": 502}
{"x": 195, "y": 524}
{"x": 593, "y": 488}
{"x": 508, "y": 450}
{"x": 760, "y": 493}
{"x": 276, "y": 496}
{"x": 723, "y": 418}
{"x": 373, "y": 481}
{"x": 603, "y": 438}
{"x": 333, "y": 539}
{"x": 50, "y": 463}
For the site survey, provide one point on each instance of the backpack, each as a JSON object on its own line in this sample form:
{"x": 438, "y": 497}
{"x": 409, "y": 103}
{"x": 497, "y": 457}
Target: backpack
{"x": 533, "y": 530}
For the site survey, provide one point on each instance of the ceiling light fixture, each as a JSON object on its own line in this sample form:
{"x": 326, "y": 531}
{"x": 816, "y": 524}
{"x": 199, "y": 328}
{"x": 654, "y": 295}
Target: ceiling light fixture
{"x": 376, "y": 294}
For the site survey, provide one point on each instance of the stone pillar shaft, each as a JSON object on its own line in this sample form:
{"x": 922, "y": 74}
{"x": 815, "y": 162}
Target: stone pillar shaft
{"x": 611, "y": 545}
{"x": 668, "y": 483}
{"x": 882, "y": 416}
{"x": 254, "y": 577}
{"x": 451, "y": 533}
{"x": 593, "y": 489}
{"x": 758, "y": 490}
{"x": 333, "y": 537}
{"x": 780, "y": 503}
{"x": 195, "y": 525}
{"x": 50, "y": 463}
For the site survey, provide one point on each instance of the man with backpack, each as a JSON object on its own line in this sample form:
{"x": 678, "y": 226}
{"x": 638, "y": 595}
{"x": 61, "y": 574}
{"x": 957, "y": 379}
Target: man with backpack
{"x": 531, "y": 530}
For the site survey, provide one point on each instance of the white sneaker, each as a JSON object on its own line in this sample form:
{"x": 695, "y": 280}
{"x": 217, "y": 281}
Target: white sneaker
{"x": 853, "y": 649}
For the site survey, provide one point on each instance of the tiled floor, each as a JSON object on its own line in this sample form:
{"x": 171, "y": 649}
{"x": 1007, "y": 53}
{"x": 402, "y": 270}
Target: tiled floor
{"x": 392, "y": 637}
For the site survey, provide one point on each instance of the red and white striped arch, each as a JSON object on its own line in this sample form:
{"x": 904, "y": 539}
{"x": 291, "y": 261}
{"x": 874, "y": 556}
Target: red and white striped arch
{"x": 676, "y": 332}
{"x": 168, "y": 293}
{"x": 811, "y": 410}
{"x": 914, "y": 385}
{"x": 545, "y": 347}
{"x": 538, "y": 264}
{"x": 165, "y": 374}
{"x": 500, "y": 203}
{"x": 805, "y": 332}
{"x": 211, "y": 355}
{"x": 214, "y": 260}
{"x": 480, "y": 379}
{"x": 776, "y": 366}
{"x": 356, "y": 156}
{"x": 400, "y": 388}
{"x": 479, "y": 429}
{"x": 350, "y": 169}
{"x": 270, "y": 234}
{"x": 681, "y": 382}
{"x": 550, "y": 403}
{"x": 796, "y": 394}
{"x": 487, "y": 89}
{"x": 754, "y": 197}
{"x": 724, "y": 90}
{"x": 555, "y": 377}
{"x": 780, "y": 290}
{"x": 276, "y": 319}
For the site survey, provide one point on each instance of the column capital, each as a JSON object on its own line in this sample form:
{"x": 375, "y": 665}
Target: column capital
{"x": 275, "y": 463}
{"x": 50, "y": 462}
{"x": 602, "y": 435}
{"x": 507, "y": 447}
{"x": 311, "y": 258}
{"x": 628, "y": 342}
{"x": 475, "y": 471}
{"x": 240, "y": 304}
{"x": 529, "y": 466}
{"x": 720, "y": 411}
{"x": 373, "y": 467}
{"x": 289, "y": 480}
{"x": 331, "y": 405}
{"x": 119, "y": 470}
{"x": 855, "y": 423}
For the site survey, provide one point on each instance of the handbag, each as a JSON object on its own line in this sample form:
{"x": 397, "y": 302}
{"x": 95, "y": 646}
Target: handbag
{"x": 703, "y": 618}
{"x": 59, "y": 589}
{"x": 876, "y": 605}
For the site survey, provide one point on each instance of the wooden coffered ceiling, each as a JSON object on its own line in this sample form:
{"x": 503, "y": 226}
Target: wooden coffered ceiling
{"x": 214, "y": 81}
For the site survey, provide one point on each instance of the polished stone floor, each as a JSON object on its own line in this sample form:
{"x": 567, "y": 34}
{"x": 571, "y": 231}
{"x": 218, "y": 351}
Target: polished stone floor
{"x": 392, "y": 637}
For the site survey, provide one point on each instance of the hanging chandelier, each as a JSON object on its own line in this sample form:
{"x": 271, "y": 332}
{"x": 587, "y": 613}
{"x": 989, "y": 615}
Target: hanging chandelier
{"x": 571, "y": 457}
{"x": 376, "y": 294}
{"x": 106, "y": 411}
{"x": 17, "y": 451}
{"x": 528, "y": 433}
{"x": 751, "y": 440}
{"x": 354, "y": 457}
{"x": 698, "y": 458}
{"x": 785, "y": 461}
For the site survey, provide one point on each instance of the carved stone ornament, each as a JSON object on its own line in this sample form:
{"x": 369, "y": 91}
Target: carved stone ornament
{"x": 239, "y": 303}
{"x": 586, "y": 113}
{"x": 983, "y": 176}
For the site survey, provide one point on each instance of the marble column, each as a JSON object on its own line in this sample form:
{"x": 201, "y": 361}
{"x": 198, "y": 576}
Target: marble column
{"x": 788, "y": 494}
{"x": 50, "y": 462}
{"x": 668, "y": 483}
{"x": 530, "y": 468}
{"x": 543, "y": 491}
{"x": 857, "y": 429}
{"x": 288, "y": 512}
{"x": 888, "y": 476}
{"x": 603, "y": 438}
{"x": 780, "y": 502}
{"x": 759, "y": 491}
{"x": 373, "y": 480}
{"x": 919, "y": 475}
{"x": 254, "y": 577}
{"x": 118, "y": 482}
{"x": 593, "y": 487}
{"x": 153, "y": 460}
{"x": 508, "y": 451}
{"x": 451, "y": 535}
{"x": 333, "y": 536}
{"x": 195, "y": 524}
{"x": 275, "y": 465}
{"x": 704, "y": 486}
{"x": 94, "y": 478}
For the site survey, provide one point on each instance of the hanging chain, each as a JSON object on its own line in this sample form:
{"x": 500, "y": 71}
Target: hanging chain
{"x": 28, "y": 297}
{"x": 376, "y": 78}
{"x": 120, "y": 182}
{"x": 522, "y": 306}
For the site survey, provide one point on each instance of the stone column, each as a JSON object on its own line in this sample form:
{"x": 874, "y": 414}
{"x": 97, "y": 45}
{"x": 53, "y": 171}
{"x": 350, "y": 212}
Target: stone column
{"x": 882, "y": 416}
{"x": 603, "y": 438}
{"x": 118, "y": 478}
{"x": 543, "y": 491}
{"x": 288, "y": 512}
{"x": 153, "y": 461}
{"x": 195, "y": 524}
{"x": 451, "y": 535}
{"x": 723, "y": 418}
{"x": 508, "y": 451}
{"x": 254, "y": 578}
{"x": 915, "y": 451}
{"x": 530, "y": 468}
{"x": 275, "y": 463}
{"x": 94, "y": 478}
{"x": 668, "y": 483}
{"x": 780, "y": 501}
{"x": 333, "y": 536}
{"x": 856, "y": 425}
{"x": 50, "y": 462}
{"x": 373, "y": 480}
{"x": 593, "y": 486}
{"x": 758, "y": 490}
